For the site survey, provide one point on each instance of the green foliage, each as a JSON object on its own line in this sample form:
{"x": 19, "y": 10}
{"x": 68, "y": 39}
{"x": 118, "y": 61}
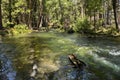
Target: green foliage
{"x": 18, "y": 10}
{"x": 111, "y": 31}
{"x": 93, "y": 5}
{"x": 82, "y": 25}
{"x": 19, "y": 29}
{"x": 61, "y": 13}
{"x": 60, "y": 10}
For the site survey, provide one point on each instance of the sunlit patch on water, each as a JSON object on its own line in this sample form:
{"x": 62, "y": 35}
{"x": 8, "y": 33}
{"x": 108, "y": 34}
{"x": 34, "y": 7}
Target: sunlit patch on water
{"x": 6, "y": 69}
{"x": 48, "y": 65}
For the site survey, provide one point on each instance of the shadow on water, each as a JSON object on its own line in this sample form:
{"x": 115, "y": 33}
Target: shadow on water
{"x": 43, "y": 56}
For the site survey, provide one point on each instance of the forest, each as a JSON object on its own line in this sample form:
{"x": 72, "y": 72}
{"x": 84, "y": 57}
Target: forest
{"x": 59, "y": 39}
{"x": 83, "y": 16}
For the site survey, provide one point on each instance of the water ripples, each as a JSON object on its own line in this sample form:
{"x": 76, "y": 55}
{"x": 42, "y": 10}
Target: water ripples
{"x": 115, "y": 52}
{"x": 104, "y": 61}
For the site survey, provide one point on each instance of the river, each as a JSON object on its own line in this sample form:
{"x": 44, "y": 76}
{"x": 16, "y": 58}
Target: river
{"x": 43, "y": 56}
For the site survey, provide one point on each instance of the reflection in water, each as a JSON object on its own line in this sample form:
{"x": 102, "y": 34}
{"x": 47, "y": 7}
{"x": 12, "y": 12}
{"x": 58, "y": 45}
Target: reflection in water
{"x": 6, "y": 69}
{"x": 43, "y": 56}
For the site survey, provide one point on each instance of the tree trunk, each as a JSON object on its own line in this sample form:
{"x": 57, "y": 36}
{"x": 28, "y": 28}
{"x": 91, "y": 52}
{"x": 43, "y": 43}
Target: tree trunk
{"x": 43, "y": 16}
{"x": 10, "y": 11}
{"x": 108, "y": 12}
{"x": 82, "y": 12}
{"x": 115, "y": 13}
{"x": 29, "y": 18}
{"x": 1, "y": 27}
{"x": 95, "y": 19}
{"x": 61, "y": 12}
{"x": 10, "y": 14}
{"x": 108, "y": 16}
{"x": 39, "y": 22}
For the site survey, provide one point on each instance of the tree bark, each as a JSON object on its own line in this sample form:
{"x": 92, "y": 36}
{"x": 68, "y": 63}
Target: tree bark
{"x": 1, "y": 26}
{"x": 61, "y": 12}
{"x": 39, "y": 22}
{"x": 108, "y": 16}
{"x": 115, "y": 13}
{"x": 43, "y": 16}
{"x": 95, "y": 19}
{"x": 29, "y": 18}
{"x": 10, "y": 14}
{"x": 108, "y": 12}
{"x": 10, "y": 11}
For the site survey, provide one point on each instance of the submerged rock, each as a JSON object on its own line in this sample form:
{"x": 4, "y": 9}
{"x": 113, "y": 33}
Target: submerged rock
{"x": 66, "y": 73}
{"x": 6, "y": 69}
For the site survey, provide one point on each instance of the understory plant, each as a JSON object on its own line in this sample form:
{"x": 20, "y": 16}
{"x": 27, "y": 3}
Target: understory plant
{"x": 82, "y": 25}
{"x": 19, "y": 29}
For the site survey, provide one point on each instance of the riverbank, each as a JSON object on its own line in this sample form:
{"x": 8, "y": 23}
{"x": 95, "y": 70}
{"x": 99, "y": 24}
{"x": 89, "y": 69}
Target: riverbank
{"x": 100, "y": 32}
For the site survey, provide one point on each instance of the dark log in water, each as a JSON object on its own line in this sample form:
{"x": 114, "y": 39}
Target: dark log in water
{"x": 76, "y": 63}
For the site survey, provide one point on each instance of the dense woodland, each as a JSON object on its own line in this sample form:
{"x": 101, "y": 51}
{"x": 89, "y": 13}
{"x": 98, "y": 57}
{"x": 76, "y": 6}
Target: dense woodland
{"x": 85, "y": 16}
{"x": 42, "y": 39}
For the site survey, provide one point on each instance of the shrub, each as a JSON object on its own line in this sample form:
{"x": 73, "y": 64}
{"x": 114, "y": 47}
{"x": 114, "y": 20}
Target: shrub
{"x": 82, "y": 25}
{"x": 19, "y": 29}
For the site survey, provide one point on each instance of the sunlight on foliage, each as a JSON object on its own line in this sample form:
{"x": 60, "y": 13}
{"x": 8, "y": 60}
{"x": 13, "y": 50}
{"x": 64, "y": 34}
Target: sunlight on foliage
{"x": 19, "y": 29}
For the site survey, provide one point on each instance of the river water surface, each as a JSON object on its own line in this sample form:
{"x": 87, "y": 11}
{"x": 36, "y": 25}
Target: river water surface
{"x": 43, "y": 56}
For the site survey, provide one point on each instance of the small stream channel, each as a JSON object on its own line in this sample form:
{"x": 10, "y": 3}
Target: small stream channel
{"x": 43, "y": 56}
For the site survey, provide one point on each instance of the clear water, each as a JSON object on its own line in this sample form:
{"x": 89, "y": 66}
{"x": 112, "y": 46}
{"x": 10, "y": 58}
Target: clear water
{"x": 47, "y": 53}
